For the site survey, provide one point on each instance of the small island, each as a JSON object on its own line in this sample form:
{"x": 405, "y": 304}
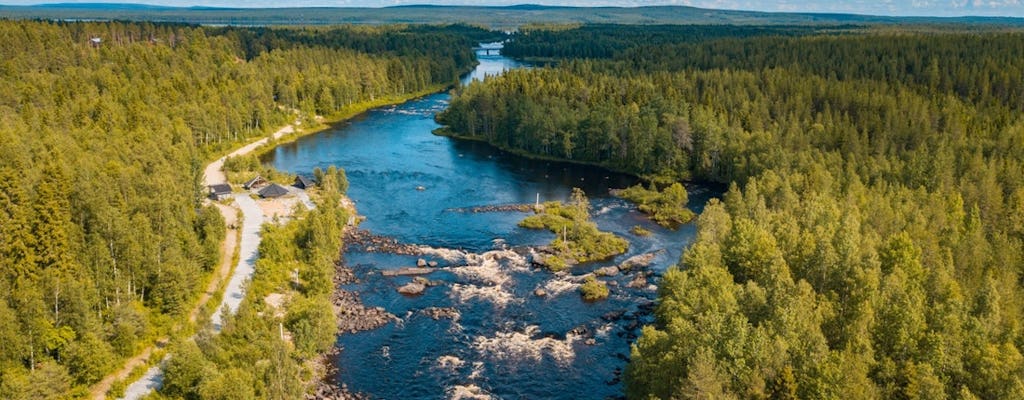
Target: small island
{"x": 666, "y": 207}
{"x": 577, "y": 238}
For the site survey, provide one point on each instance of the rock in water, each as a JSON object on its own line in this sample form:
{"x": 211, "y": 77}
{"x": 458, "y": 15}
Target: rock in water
{"x": 639, "y": 282}
{"x": 607, "y": 271}
{"x": 639, "y": 261}
{"x": 412, "y": 289}
{"x": 432, "y": 264}
{"x": 540, "y": 292}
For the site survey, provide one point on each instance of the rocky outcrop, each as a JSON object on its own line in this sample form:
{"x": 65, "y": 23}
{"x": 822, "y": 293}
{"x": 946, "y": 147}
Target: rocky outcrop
{"x": 412, "y": 289}
{"x": 438, "y": 313}
{"x": 406, "y": 271}
{"x": 607, "y": 271}
{"x": 639, "y": 261}
{"x": 496, "y": 208}
{"x": 369, "y": 242}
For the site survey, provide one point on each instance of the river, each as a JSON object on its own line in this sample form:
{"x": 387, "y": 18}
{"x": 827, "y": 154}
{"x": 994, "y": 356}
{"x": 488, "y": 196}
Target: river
{"x": 506, "y": 342}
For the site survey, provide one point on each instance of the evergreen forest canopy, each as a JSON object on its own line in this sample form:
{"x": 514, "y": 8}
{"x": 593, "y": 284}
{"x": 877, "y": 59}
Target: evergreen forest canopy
{"x": 870, "y": 244}
{"x": 105, "y": 243}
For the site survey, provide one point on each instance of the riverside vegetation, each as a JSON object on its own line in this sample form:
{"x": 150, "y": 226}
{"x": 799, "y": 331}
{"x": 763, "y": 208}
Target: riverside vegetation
{"x": 250, "y": 358}
{"x": 870, "y": 244}
{"x": 106, "y": 242}
{"x": 577, "y": 239}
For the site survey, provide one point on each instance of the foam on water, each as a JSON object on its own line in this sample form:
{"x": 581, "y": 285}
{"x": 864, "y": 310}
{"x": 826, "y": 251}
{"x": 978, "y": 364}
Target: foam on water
{"x": 525, "y": 345}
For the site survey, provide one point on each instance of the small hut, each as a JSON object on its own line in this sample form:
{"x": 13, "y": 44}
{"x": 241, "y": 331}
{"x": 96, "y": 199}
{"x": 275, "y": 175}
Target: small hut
{"x": 302, "y": 182}
{"x": 255, "y": 183}
{"x": 220, "y": 191}
{"x": 272, "y": 191}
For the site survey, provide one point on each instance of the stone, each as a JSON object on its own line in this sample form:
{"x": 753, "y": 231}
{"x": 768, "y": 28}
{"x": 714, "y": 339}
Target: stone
{"x": 412, "y": 289}
{"x": 639, "y": 282}
{"x": 405, "y": 271}
{"x": 421, "y": 263}
{"x": 607, "y": 271}
{"x": 540, "y": 292}
{"x": 432, "y": 264}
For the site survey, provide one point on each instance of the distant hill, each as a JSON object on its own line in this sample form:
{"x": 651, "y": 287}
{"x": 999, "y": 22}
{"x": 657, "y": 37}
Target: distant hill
{"x": 496, "y": 17}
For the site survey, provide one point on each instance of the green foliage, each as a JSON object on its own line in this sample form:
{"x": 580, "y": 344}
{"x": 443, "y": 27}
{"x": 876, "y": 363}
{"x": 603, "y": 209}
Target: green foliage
{"x": 313, "y": 325}
{"x": 241, "y": 169}
{"x": 250, "y": 351}
{"x": 593, "y": 290}
{"x": 577, "y": 238}
{"x": 105, "y": 238}
{"x": 666, "y": 207}
{"x": 868, "y": 246}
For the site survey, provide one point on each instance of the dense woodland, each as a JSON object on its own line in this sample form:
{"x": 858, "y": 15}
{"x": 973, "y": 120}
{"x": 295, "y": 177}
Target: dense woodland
{"x": 870, "y": 245}
{"x": 105, "y": 242}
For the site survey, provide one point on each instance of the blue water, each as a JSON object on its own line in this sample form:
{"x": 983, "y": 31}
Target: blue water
{"x": 407, "y": 183}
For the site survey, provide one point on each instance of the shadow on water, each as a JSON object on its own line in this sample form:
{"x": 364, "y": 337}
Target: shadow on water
{"x": 506, "y": 342}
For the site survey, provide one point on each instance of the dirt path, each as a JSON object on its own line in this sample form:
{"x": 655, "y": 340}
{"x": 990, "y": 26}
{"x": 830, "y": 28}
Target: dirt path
{"x": 233, "y": 294}
{"x": 227, "y": 255}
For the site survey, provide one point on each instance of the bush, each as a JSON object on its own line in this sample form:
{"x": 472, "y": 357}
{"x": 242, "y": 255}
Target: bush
{"x": 593, "y": 289}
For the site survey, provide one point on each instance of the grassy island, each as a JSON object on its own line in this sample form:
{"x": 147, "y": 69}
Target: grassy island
{"x": 667, "y": 207}
{"x": 578, "y": 239}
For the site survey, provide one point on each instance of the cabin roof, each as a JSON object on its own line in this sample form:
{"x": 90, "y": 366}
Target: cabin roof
{"x": 254, "y": 181}
{"x": 220, "y": 188}
{"x": 273, "y": 190}
{"x": 303, "y": 182}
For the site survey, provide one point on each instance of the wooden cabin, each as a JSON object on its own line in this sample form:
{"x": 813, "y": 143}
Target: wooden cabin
{"x": 220, "y": 191}
{"x": 255, "y": 183}
{"x": 302, "y": 182}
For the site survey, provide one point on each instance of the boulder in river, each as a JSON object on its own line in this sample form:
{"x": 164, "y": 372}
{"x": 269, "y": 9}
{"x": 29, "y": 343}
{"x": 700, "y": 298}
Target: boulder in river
{"x": 405, "y": 271}
{"x": 432, "y": 264}
{"x": 442, "y": 312}
{"x": 639, "y": 261}
{"x": 540, "y": 292}
{"x": 421, "y": 263}
{"x": 639, "y": 282}
{"x": 607, "y": 271}
{"x": 412, "y": 289}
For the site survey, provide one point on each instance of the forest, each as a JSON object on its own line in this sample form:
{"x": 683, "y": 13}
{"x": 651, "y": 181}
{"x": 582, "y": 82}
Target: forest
{"x": 106, "y": 243}
{"x": 870, "y": 243}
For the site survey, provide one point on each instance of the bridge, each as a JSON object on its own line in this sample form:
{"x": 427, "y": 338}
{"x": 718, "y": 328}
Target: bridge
{"x": 489, "y": 49}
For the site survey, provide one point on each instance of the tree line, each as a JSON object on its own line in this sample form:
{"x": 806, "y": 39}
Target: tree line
{"x": 105, "y": 241}
{"x": 871, "y": 243}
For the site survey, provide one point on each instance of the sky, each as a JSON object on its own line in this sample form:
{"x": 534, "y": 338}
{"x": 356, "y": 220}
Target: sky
{"x": 1005, "y": 8}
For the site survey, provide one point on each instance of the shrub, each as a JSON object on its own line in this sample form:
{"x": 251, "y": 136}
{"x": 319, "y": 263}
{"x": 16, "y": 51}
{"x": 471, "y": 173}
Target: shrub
{"x": 593, "y": 289}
